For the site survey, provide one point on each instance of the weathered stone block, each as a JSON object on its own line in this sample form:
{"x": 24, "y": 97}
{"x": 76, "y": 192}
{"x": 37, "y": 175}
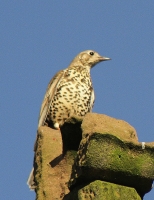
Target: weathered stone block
{"x": 110, "y": 151}
{"x": 100, "y": 190}
{"x": 99, "y": 123}
{"x": 52, "y": 169}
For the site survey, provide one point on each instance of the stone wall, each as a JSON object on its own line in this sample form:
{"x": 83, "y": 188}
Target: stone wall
{"x": 94, "y": 158}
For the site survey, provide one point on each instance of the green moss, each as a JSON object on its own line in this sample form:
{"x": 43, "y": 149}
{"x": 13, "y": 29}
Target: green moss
{"x": 106, "y": 157}
{"x": 101, "y": 190}
{"x": 107, "y": 151}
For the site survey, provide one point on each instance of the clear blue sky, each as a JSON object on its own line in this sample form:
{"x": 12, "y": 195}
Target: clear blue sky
{"x": 38, "y": 38}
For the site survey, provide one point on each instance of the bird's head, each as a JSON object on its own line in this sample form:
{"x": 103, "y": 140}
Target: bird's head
{"x": 88, "y": 58}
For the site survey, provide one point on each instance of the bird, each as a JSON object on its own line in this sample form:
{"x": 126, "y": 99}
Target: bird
{"x": 70, "y": 92}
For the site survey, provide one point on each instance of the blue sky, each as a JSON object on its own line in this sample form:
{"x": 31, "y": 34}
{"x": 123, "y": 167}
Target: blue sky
{"x": 38, "y": 38}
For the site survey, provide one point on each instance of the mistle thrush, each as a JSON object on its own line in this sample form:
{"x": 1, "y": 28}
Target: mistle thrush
{"x": 70, "y": 91}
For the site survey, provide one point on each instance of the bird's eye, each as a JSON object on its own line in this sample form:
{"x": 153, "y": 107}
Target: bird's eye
{"x": 91, "y": 53}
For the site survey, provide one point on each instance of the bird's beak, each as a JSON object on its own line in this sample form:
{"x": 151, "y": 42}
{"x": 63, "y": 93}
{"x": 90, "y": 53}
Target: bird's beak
{"x": 102, "y": 58}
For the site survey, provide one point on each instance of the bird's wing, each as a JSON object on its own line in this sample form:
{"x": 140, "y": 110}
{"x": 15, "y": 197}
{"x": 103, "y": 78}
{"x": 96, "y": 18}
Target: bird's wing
{"x": 92, "y": 100}
{"x": 50, "y": 92}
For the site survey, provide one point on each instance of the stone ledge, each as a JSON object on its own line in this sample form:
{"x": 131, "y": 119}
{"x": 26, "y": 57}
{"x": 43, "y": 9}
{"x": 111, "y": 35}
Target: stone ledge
{"x": 117, "y": 158}
{"x": 100, "y": 123}
{"x": 109, "y": 151}
{"x": 52, "y": 169}
{"x": 101, "y": 190}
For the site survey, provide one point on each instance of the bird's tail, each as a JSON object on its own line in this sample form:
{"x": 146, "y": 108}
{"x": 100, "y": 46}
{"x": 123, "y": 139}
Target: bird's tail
{"x": 30, "y": 181}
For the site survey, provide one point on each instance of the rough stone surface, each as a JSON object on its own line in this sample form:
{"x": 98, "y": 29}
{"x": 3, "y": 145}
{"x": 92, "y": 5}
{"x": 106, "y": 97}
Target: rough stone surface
{"x": 51, "y": 168}
{"x": 100, "y": 190}
{"x": 118, "y": 159}
{"x": 99, "y": 123}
